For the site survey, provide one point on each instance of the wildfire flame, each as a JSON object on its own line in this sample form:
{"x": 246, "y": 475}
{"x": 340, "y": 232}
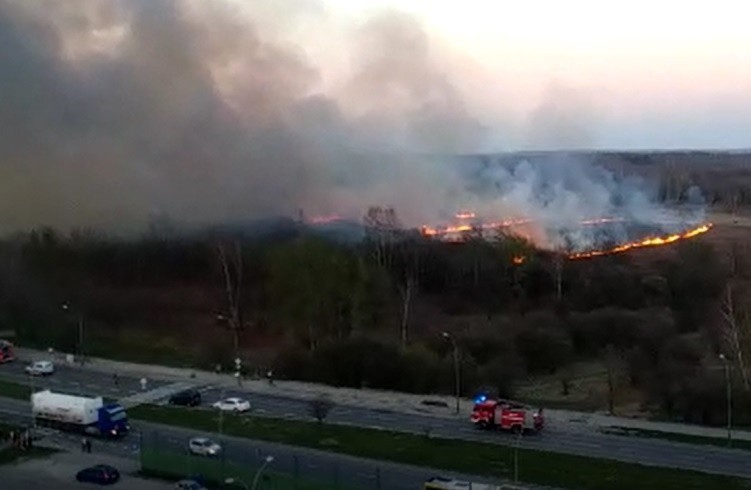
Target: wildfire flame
{"x": 647, "y": 242}
{"x": 440, "y": 231}
{"x": 453, "y": 229}
{"x": 519, "y": 260}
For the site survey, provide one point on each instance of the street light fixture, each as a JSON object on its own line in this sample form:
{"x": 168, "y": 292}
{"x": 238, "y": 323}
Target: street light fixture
{"x": 457, "y": 381}
{"x": 236, "y": 481}
{"x": 266, "y": 462}
{"x": 729, "y": 397}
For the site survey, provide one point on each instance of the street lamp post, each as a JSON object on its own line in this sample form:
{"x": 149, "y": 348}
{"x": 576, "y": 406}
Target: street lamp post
{"x": 266, "y": 462}
{"x": 31, "y": 389}
{"x": 457, "y": 381}
{"x": 729, "y": 397}
{"x": 66, "y": 307}
{"x": 516, "y": 457}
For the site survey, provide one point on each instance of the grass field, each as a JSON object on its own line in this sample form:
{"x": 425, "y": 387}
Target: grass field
{"x": 11, "y": 389}
{"x": 171, "y": 465}
{"x": 538, "y": 467}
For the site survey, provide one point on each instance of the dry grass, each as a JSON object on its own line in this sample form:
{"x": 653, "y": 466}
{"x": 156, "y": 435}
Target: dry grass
{"x": 588, "y": 390}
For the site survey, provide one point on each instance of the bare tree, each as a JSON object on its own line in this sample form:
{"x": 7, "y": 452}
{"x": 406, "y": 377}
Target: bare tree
{"x": 231, "y": 262}
{"x": 382, "y": 227}
{"x": 558, "y": 260}
{"x": 391, "y": 249}
{"x": 405, "y": 290}
{"x": 736, "y": 329}
{"x": 612, "y": 365}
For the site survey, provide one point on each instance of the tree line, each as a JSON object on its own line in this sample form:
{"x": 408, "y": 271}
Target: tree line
{"x": 371, "y": 314}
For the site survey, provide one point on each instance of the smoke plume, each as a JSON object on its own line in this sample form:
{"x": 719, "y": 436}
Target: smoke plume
{"x": 116, "y": 112}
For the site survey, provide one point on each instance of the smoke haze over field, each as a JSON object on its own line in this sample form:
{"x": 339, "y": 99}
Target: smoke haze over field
{"x": 114, "y": 112}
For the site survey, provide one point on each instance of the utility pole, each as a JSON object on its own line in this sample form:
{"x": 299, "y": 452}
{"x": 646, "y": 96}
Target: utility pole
{"x": 729, "y": 398}
{"x": 457, "y": 379}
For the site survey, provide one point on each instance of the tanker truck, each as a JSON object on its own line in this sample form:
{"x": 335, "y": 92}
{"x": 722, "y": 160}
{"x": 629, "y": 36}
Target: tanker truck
{"x": 79, "y": 414}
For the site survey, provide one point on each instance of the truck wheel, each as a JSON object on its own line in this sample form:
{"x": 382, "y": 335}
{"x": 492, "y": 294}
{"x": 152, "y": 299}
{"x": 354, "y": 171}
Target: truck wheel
{"x": 517, "y": 429}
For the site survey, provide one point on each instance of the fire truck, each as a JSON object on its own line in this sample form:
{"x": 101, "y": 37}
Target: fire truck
{"x": 441, "y": 483}
{"x": 6, "y": 351}
{"x": 506, "y": 415}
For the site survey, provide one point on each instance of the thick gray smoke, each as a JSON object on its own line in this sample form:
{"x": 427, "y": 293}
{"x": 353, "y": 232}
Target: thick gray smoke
{"x": 113, "y": 112}
{"x": 566, "y": 199}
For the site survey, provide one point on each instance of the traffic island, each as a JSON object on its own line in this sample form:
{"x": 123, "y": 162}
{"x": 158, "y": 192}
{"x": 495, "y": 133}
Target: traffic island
{"x": 534, "y": 466}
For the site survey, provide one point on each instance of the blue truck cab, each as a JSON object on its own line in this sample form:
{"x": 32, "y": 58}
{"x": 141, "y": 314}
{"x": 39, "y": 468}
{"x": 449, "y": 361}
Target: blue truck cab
{"x": 112, "y": 421}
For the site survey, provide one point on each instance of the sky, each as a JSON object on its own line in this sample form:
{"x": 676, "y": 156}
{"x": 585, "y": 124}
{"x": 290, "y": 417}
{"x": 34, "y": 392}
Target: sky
{"x": 637, "y": 74}
{"x": 117, "y": 113}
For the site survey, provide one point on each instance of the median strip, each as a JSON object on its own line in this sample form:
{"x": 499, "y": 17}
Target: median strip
{"x": 534, "y": 466}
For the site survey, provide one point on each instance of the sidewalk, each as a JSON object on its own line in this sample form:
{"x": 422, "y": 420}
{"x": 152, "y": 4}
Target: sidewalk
{"x": 440, "y": 406}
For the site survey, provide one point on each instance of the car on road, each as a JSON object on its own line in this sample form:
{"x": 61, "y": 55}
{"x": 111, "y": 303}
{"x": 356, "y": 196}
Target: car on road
{"x": 189, "y": 485}
{"x": 102, "y": 474}
{"x": 187, "y": 398}
{"x": 40, "y": 368}
{"x": 203, "y": 446}
{"x": 232, "y": 405}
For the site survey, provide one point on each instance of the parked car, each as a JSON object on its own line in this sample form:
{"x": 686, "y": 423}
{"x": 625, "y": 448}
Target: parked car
{"x": 40, "y": 368}
{"x": 203, "y": 446}
{"x": 102, "y": 474}
{"x": 188, "y": 398}
{"x": 189, "y": 485}
{"x": 233, "y": 405}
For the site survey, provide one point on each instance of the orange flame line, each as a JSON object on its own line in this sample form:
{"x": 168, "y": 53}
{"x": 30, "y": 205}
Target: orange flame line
{"x": 647, "y": 242}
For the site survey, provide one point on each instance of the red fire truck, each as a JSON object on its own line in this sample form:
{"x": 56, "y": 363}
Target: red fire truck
{"x": 6, "y": 351}
{"x": 506, "y": 415}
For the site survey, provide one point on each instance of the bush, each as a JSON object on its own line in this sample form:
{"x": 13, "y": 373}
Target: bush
{"x": 320, "y": 407}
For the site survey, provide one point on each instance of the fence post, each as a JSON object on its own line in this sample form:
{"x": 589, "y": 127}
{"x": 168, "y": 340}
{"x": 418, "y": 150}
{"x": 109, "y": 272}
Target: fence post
{"x": 336, "y": 476}
{"x": 378, "y": 478}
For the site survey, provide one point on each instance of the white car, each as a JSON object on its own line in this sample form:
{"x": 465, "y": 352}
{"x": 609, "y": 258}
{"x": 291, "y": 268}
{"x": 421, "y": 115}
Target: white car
{"x": 233, "y": 405}
{"x": 40, "y": 368}
{"x": 203, "y": 446}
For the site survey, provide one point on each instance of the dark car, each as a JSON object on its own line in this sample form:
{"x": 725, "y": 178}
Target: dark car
{"x": 102, "y": 474}
{"x": 190, "y": 398}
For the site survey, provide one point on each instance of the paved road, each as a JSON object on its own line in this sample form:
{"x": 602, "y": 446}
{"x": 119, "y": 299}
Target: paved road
{"x": 58, "y": 472}
{"x": 350, "y": 472}
{"x": 567, "y": 439}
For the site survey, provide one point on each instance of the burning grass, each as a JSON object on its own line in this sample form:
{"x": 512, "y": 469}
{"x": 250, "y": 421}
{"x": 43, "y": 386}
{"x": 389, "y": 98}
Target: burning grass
{"x": 655, "y": 241}
{"x": 597, "y": 231}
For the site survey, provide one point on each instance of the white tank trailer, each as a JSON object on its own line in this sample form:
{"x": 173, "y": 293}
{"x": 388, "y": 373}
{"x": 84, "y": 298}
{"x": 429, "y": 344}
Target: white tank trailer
{"x": 79, "y": 414}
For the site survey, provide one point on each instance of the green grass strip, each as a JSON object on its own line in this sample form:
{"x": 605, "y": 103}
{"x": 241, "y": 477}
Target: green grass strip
{"x": 173, "y": 466}
{"x": 11, "y": 389}
{"x": 672, "y": 436}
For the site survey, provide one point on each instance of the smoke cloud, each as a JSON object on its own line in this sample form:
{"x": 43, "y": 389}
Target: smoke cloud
{"x": 116, "y": 112}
